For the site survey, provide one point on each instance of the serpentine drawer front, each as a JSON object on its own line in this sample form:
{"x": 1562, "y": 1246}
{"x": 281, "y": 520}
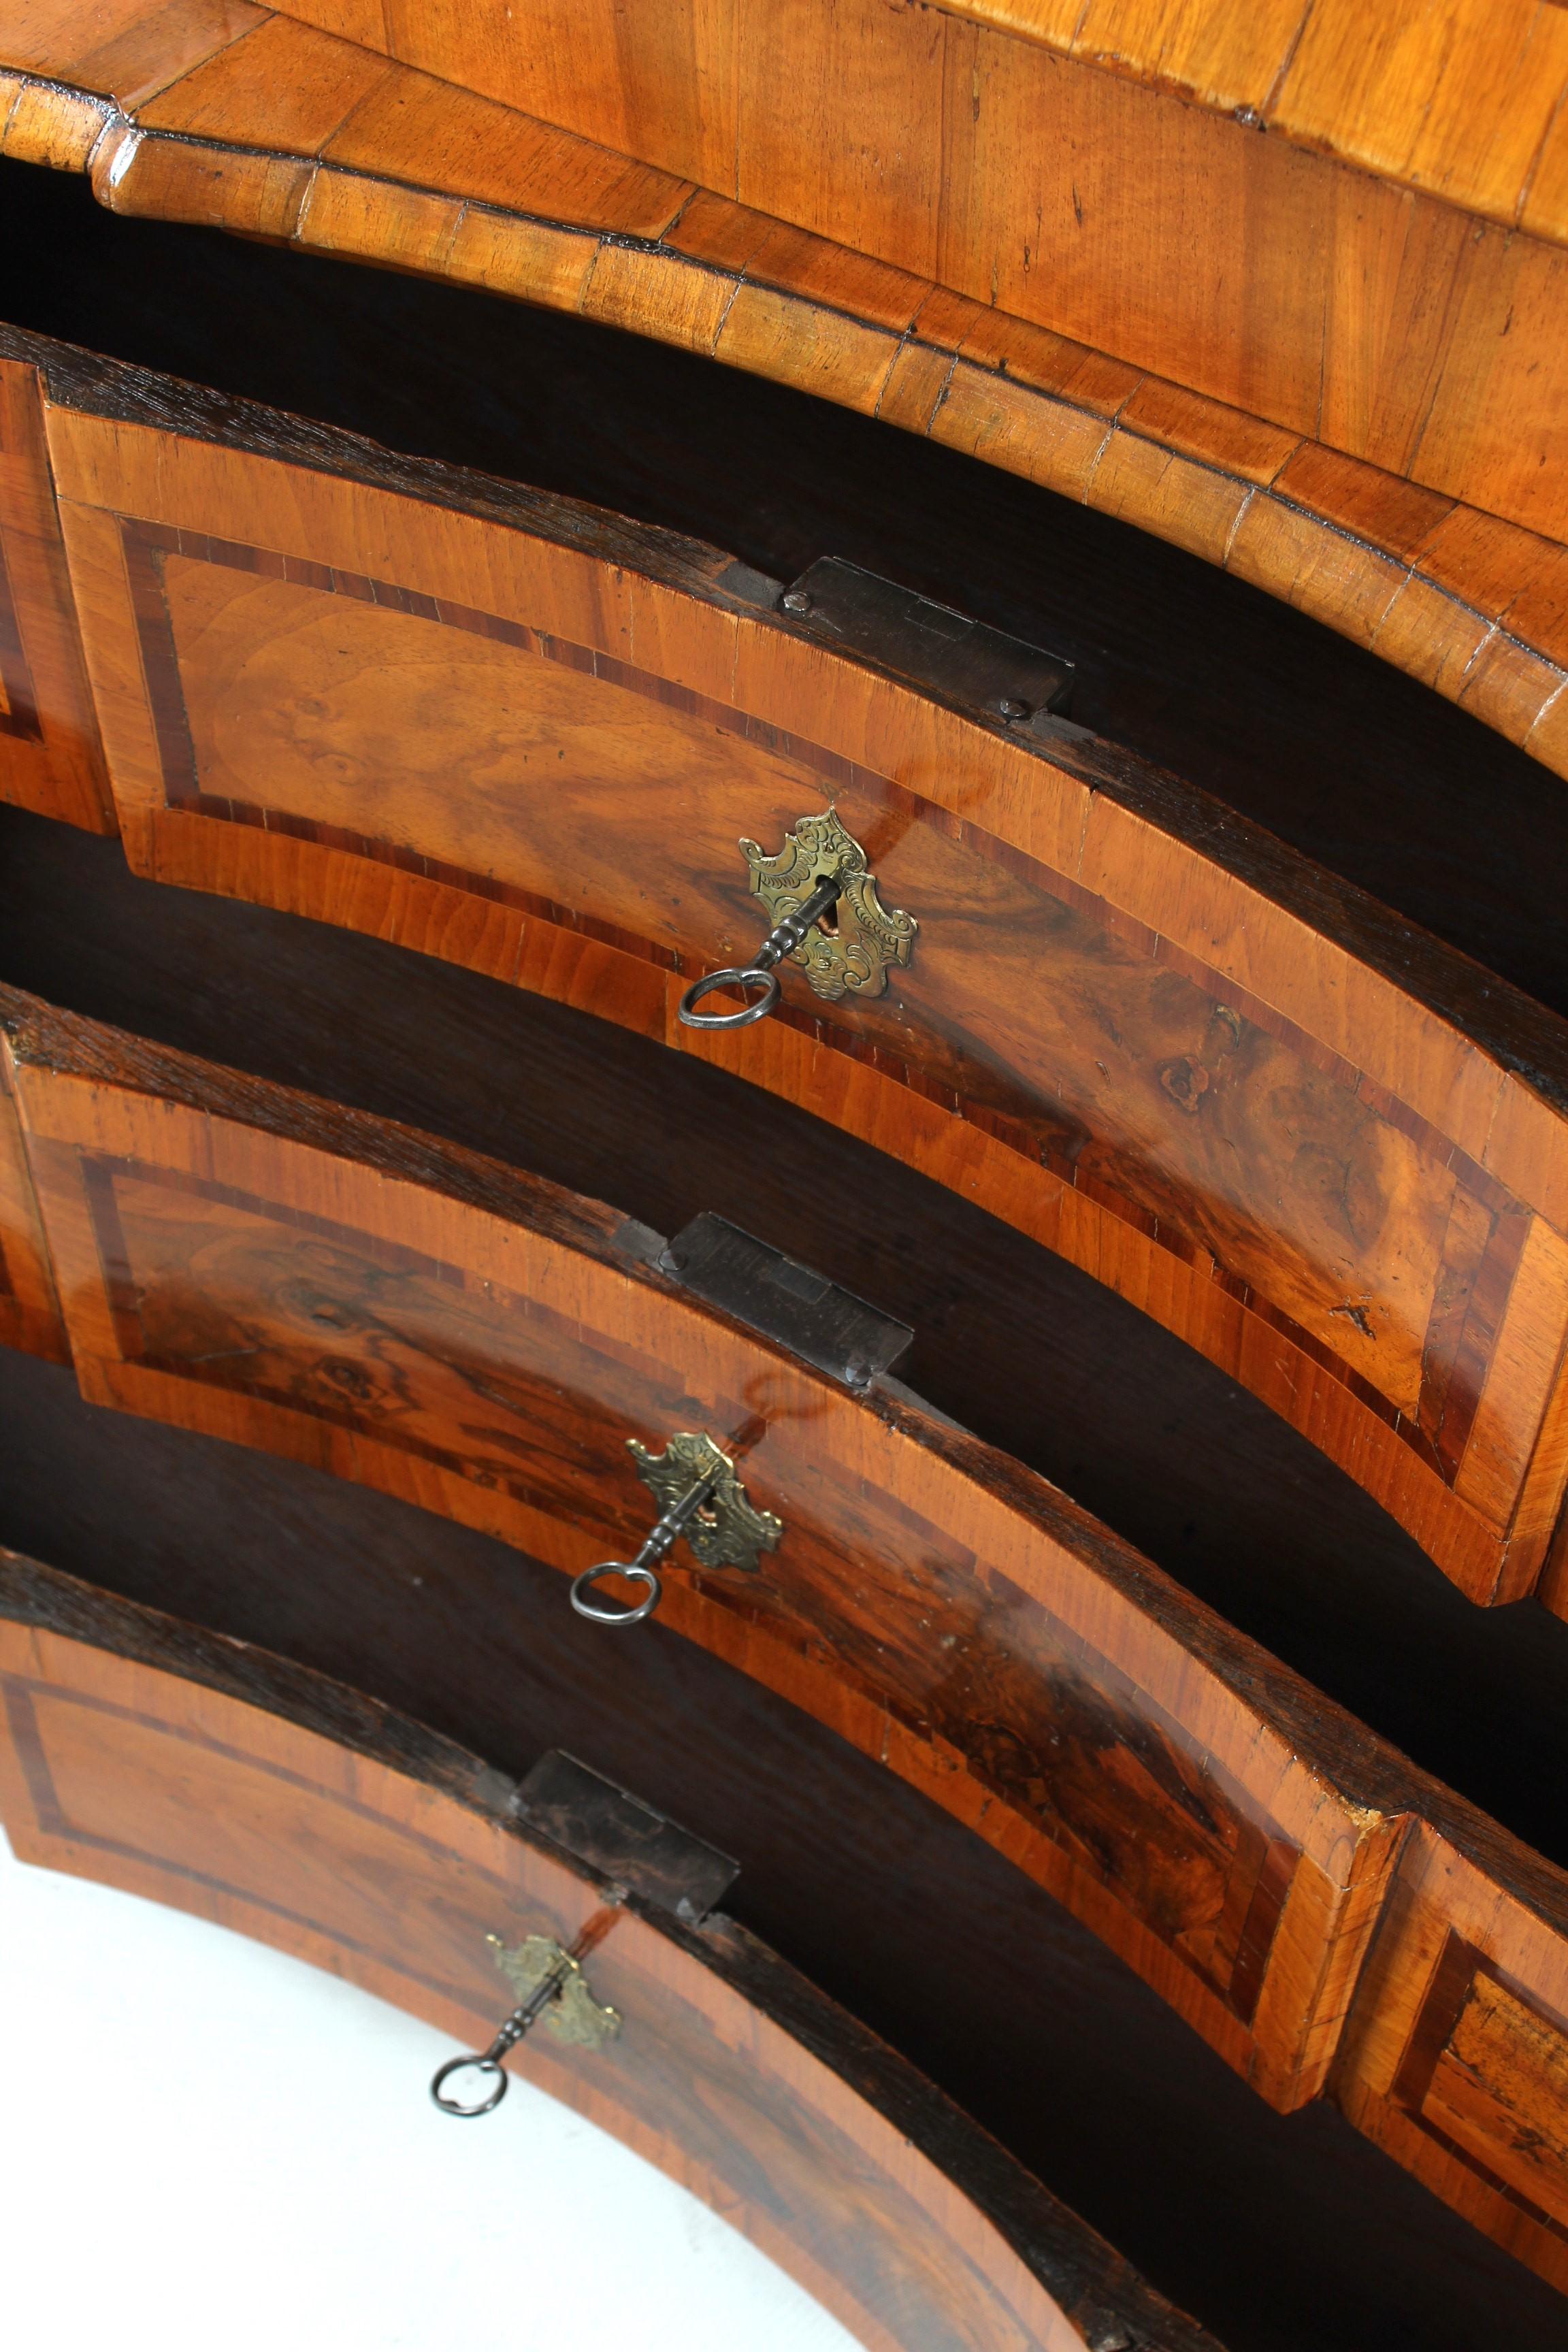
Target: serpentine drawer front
{"x": 529, "y": 737}
{"x": 242, "y": 1261}
{"x": 140, "y": 1751}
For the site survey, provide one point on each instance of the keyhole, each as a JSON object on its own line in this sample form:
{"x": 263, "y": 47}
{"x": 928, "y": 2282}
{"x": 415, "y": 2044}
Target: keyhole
{"x": 827, "y": 920}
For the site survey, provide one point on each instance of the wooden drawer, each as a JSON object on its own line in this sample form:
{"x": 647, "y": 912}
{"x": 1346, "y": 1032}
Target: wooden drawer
{"x": 994, "y": 297}
{"x": 518, "y": 733}
{"x": 138, "y": 1751}
{"x": 240, "y": 1261}
{"x": 528, "y": 737}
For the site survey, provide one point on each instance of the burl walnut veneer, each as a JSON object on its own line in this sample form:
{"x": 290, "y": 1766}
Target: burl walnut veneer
{"x": 151, "y": 1756}
{"x": 242, "y": 1261}
{"x": 527, "y": 736}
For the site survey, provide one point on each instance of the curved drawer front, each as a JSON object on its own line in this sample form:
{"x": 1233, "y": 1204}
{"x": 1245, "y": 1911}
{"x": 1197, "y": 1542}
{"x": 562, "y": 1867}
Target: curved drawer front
{"x": 244, "y": 1262}
{"x": 530, "y": 737}
{"x": 137, "y": 1751}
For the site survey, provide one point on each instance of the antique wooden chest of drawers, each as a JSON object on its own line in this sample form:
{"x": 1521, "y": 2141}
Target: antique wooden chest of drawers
{"x": 930, "y": 1041}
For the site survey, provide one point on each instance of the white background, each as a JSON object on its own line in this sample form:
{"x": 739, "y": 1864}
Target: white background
{"x": 208, "y": 2146}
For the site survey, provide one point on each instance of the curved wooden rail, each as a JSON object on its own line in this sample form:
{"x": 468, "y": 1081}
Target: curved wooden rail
{"x": 526, "y": 736}
{"x": 260, "y": 125}
{"x": 144, "y": 1753}
{"x": 239, "y": 1260}
{"x": 1384, "y": 320}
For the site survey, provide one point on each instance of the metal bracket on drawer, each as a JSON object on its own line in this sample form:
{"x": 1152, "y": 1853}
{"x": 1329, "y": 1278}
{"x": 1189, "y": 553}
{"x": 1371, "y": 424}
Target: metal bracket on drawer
{"x": 818, "y": 890}
{"x": 820, "y": 898}
{"x": 625, "y": 1837}
{"x": 630, "y": 1843}
{"x": 789, "y": 1303}
{"x": 929, "y": 644}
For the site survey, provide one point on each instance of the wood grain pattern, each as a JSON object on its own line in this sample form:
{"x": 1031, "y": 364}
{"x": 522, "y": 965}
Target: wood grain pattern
{"x": 29, "y": 1310}
{"x": 1229, "y": 1102}
{"x": 486, "y": 1345}
{"x": 338, "y": 1831}
{"x": 1093, "y": 2086}
{"x": 240, "y": 1261}
{"x": 124, "y": 49}
{"x": 1461, "y": 100}
{"x": 1459, "y": 2031}
{"x": 1398, "y": 296}
{"x": 50, "y": 754}
{"x": 1296, "y": 727}
{"x": 380, "y": 161}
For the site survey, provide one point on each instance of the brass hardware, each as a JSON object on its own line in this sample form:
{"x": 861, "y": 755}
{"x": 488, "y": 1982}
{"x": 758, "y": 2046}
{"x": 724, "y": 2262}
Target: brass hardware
{"x": 701, "y": 1497}
{"x": 857, "y": 955}
{"x": 550, "y": 1989}
{"x": 820, "y": 870}
{"x": 573, "y": 2015}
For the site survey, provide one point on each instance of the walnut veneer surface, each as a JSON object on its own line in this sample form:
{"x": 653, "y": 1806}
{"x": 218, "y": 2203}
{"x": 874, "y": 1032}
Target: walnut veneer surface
{"x": 240, "y": 1261}
{"x": 1282, "y": 2232}
{"x": 1227, "y": 1102}
{"x": 144, "y": 1753}
{"x": 1379, "y": 780}
{"x": 1322, "y": 1151}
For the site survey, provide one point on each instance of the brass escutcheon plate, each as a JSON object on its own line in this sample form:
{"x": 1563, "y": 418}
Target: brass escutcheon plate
{"x": 726, "y": 1531}
{"x": 573, "y": 2016}
{"x": 853, "y": 958}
